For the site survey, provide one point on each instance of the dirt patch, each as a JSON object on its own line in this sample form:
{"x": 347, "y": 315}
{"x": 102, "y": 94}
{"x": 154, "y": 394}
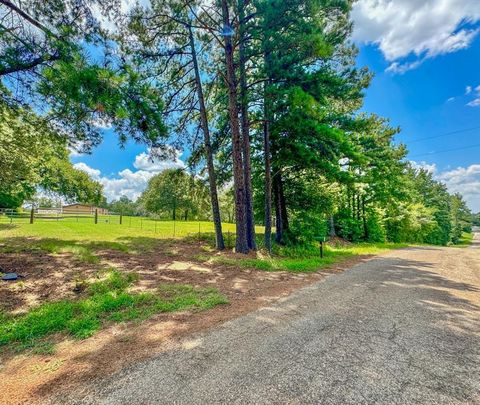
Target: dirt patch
{"x": 33, "y": 378}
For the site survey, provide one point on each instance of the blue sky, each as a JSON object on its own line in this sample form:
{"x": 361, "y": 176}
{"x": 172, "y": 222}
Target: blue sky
{"x": 429, "y": 101}
{"x": 425, "y": 57}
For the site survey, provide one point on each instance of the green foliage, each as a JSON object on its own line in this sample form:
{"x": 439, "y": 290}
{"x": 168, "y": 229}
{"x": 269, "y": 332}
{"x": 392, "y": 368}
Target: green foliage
{"x": 306, "y": 227}
{"x": 176, "y": 195}
{"x": 32, "y": 156}
{"x": 125, "y": 206}
{"x": 47, "y": 62}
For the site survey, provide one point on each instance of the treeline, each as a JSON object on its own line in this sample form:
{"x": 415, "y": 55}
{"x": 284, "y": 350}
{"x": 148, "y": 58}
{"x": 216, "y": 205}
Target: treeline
{"x": 265, "y": 94}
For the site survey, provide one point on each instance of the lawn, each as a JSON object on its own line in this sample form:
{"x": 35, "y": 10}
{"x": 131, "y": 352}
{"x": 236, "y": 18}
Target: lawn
{"x": 108, "y": 228}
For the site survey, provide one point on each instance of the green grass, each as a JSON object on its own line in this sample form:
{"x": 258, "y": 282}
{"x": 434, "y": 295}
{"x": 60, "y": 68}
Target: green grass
{"x": 109, "y": 231}
{"x": 84, "y": 239}
{"x": 465, "y": 241}
{"x": 305, "y": 259}
{"x": 106, "y": 300}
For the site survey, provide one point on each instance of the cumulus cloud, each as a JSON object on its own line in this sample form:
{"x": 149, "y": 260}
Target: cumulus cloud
{"x": 405, "y": 28}
{"x": 462, "y": 180}
{"x": 150, "y": 163}
{"x": 429, "y": 167}
{"x": 466, "y": 181}
{"x": 108, "y": 22}
{"x": 93, "y": 173}
{"x": 131, "y": 183}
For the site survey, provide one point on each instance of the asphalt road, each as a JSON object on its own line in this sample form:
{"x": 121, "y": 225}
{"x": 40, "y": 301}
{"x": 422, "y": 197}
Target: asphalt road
{"x": 403, "y": 328}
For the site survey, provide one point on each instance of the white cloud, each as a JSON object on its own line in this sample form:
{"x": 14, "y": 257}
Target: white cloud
{"x": 462, "y": 180}
{"x": 431, "y": 168}
{"x": 93, "y": 173}
{"x": 149, "y": 163}
{"x": 424, "y": 29}
{"x": 451, "y": 99}
{"x": 476, "y": 94}
{"x": 108, "y": 22}
{"x": 466, "y": 181}
{"x": 131, "y": 183}
{"x": 474, "y": 103}
{"x": 74, "y": 153}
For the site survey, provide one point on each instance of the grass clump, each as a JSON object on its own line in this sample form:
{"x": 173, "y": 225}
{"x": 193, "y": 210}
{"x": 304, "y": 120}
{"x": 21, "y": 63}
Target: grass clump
{"x": 107, "y": 300}
{"x": 306, "y": 258}
{"x": 465, "y": 241}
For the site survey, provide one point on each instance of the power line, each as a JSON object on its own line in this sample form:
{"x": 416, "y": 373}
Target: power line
{"x": 447, "y": 150}
{"x": 460, "y": 131}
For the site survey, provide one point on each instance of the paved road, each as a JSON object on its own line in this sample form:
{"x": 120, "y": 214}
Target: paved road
{"x": 403, "y": 328}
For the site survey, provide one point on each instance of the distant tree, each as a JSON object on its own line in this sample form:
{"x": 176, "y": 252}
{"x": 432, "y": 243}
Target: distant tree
{"x": 476, "y": 219}
{"x": 175, "y": 193}
{"x": 124, "y": 206}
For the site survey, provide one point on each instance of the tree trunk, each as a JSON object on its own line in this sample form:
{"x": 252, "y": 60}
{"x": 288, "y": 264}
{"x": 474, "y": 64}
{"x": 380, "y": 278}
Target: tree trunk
{"x": 241, "y": 245}
{"x": 280, "y": 208}
{"x": 333, "y": 234}
{"x": 212, "y": 179}
{"x": 245, "y": 130}
{"x": 358, "y": 207}
{"x": 353, "y": 205}
{"x": 365, "y": 227}
{"x": 268, "y": 172}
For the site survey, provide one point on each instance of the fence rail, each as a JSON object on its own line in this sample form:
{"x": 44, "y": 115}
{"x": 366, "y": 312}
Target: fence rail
{"x": 11, "y": 215}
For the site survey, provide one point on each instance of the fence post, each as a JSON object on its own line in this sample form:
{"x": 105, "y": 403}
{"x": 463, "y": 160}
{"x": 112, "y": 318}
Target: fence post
{"x": 96, "y": 216}
{"x": 32, "y": 213}
{"x": 121, "y": 218}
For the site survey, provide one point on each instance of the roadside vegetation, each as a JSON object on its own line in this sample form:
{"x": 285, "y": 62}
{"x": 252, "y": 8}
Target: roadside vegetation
{"x": 106, "y": 300}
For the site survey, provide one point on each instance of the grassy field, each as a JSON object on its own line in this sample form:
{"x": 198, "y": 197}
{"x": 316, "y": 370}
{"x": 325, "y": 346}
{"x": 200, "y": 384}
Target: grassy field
{"x": 303, "y": 260}
{"x": 108, "y": 227}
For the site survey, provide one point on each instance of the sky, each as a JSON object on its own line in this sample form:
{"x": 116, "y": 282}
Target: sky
{"x": 425, "y": 57}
